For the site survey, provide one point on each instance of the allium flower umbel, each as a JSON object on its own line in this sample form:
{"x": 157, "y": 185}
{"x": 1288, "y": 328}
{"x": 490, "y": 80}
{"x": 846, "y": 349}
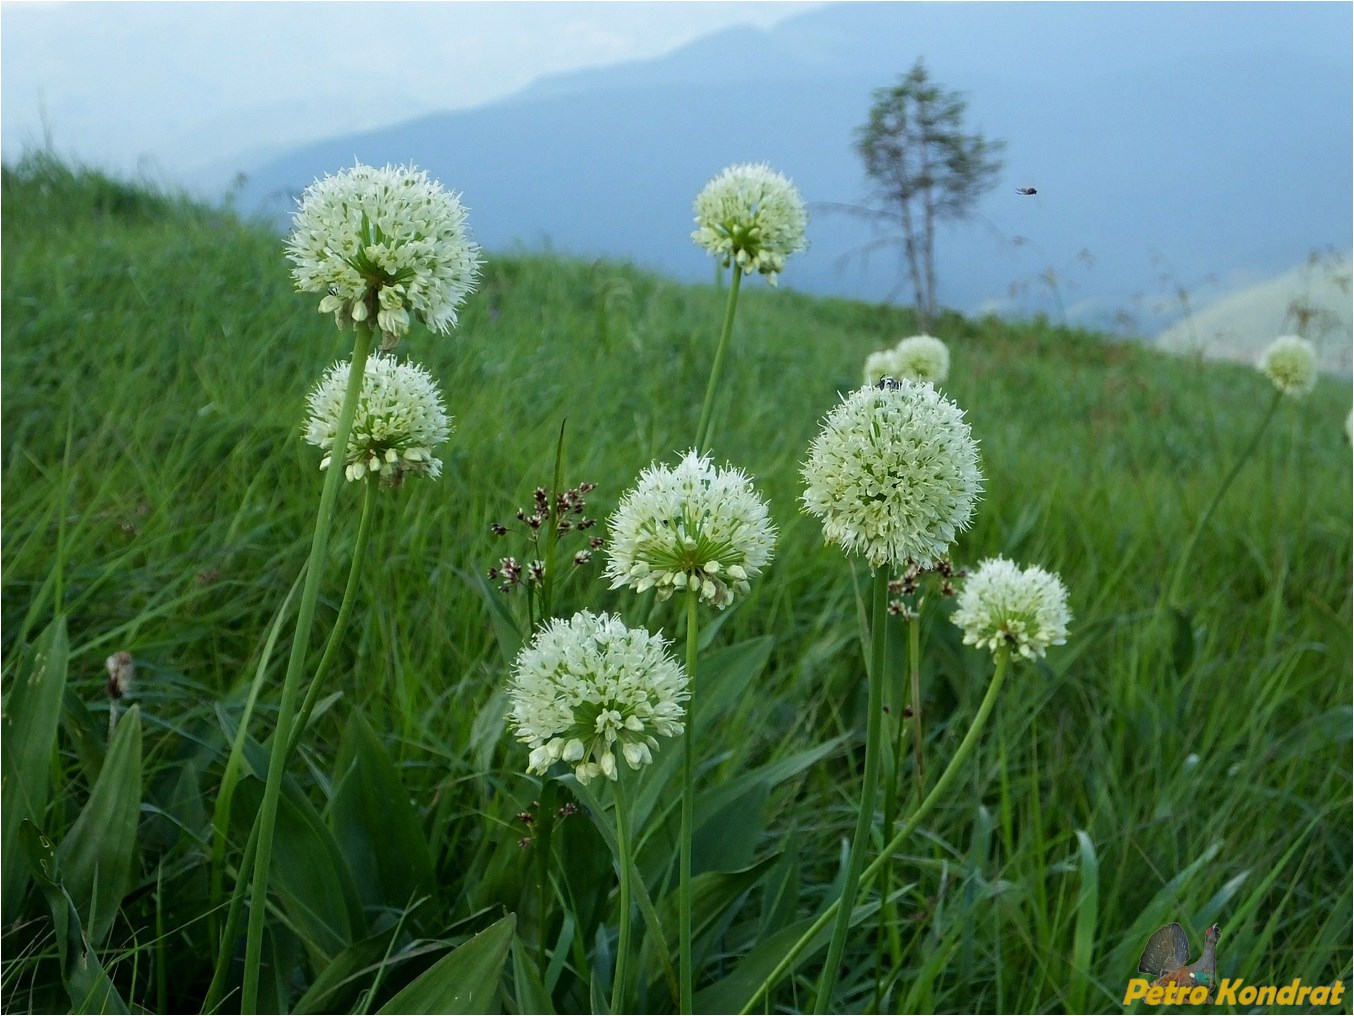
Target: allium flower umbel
{"x": 1006, "y": 609}
{"x": 893, "y": 474}
{"x": 589, "y": 689}
{"x": 692, "y": 526}
{"x": 385, "y": 241}
{"x": 918, "y": 358}
{"x": 400, "y": 419}
{"x": 1290, "y": 362}
{"x": 751, "y": 215}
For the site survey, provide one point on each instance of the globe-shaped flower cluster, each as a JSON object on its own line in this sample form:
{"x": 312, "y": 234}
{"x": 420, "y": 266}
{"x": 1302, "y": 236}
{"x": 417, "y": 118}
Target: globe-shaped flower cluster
{"x": 400, "y": 419}
{"x": 893, "y": 474}
{"x": 690, "y": 527}
{"x": 589, "y": 690}
{"x": 1290, "y": 363}
{"x": 389, "y": 242}
{"x": 752, "y": 216}
{"x": 1011, "y": 610}
{"x": 917, "y": 358}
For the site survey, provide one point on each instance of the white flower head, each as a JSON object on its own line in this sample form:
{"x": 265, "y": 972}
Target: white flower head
{"x": 1290, "y": 362}
{"x": 388, "y": 242}
{"x": 751, "y": 215}
{"x": 917, "y": 358}
{"x": 589, "y": 691}
{"x": 400, "y": 419}
{"x": 1006, "y": 609}
{"x": 690, "y": 527}
{"x": 893, "y": 474}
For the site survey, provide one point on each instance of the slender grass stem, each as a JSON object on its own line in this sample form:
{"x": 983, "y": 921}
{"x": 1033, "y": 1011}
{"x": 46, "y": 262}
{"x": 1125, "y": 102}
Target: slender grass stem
{"x": 1182, "y": 563}
{"x": 344, "y": 614}
{"x": 914, "y": 680}
{"x": 937, "y": 793}
{"x": 687, "y": 977}
{"x": 707, "y": 407}
{"x": 860, "y": 842}
{"x": 310, "y": 595}
{"x": 623, "y": 938}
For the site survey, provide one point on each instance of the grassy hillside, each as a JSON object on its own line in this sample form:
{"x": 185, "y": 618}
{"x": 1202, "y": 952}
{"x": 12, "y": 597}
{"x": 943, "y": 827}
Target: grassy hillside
{"x": 156, "y": 492}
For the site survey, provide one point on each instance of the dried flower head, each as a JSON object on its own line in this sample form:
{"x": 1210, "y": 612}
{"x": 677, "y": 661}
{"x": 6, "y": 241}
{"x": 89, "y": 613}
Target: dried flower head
{"x": 400, "y": 419}
{"x": 751, "y": 215}
{"x": 589, "y": 689}
{"x": 386, "y": 242}
{"x": 1006, "y": 609}
{"x": 121, "y": 672}
{"x": 893, "y": 474}
{"x": 1290, "y": 362}
{"x": 690, "y": 527}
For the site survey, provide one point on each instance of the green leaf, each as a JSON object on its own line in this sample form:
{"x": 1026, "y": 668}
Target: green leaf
{"x": 336, "y": 985}
{"x": 466, "y": 980}
{"x": 1182, "y": 644}
{"x": 95, "y": 855}
{"x": 86, "y": 983}
{"x": 31, "y": 712}
{"x": 733, "y": 992}
{"x": 727, "y": 839}
{"x": 376, "y": 827}
{"x": 309, "y": 875}
{"x": 506, "y": 628}
{"x": 712, "y": 894}
{"x": 1083, "y": 936}
{"x": 531, "y": 994}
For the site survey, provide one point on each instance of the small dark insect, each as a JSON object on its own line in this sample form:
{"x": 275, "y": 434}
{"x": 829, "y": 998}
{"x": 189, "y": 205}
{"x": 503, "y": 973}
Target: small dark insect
{"x": 1027, "y": 191}
{"x": 887, "y": 383}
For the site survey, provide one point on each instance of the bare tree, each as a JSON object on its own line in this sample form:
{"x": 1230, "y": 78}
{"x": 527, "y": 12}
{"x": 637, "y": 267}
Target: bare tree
{"x": 925, "y": 170}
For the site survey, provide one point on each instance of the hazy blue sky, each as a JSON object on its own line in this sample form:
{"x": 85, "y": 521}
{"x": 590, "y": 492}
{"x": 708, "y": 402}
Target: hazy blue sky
{"x": 172, "y": 88}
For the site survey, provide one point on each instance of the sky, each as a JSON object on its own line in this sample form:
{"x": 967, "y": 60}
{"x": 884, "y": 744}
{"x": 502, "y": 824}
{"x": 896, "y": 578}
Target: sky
{"x": 172, "y": 90}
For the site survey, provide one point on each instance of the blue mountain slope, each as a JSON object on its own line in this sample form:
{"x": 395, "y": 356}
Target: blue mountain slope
{"x": 1163, "y": 140}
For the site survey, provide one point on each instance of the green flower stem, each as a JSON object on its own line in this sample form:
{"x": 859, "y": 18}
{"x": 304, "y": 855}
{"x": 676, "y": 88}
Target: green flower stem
{"x": 874, "y": 722}
{"x": 344, "y": 614}
{"x": 623, "y": 849}
{"x": 703, "y": 429}
{"x": 914, "y": 674}
{"x": 686, "y": 977}
{"x": 291, "y": 683}
{"x": 938, "y": 793}
{"x": 1182, "y": 565}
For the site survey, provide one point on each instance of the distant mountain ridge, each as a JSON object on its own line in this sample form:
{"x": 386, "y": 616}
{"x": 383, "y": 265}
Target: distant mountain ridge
{"x": 1170, "y": 144}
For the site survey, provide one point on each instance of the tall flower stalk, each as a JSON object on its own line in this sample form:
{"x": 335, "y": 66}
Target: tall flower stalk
{"x": 382, "y": 246}
{"x": 893, "y": 474}
{"x": 1016, "y": 614}
{"x": 705, "y": 532}
{"x": 751, "y": 218}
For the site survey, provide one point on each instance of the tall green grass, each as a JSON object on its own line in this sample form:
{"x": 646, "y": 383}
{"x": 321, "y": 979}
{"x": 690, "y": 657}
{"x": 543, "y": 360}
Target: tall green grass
{"x": 156, "y": 493}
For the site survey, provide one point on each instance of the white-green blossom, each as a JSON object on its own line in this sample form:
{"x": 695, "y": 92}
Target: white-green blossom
{"x": 918, "y": 358}
{"x": 1006, "y": 609}
{"x": 893, "y": 474}
{"x": 589, "y": 690}
{"x": 385, "y": 241}
{"x": 692, "y": 526}
{"x": 751, "y": 215}
{"x": 400, "y": 419}
{"x": 1290, "y": 362}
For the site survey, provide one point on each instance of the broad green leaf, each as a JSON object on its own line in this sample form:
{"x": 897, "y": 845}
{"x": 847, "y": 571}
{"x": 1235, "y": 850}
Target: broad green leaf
{"x": 506, "y": 628}
{"x": 88, "y": 985}
{"x": 31, "y": 712}
{"x": 309, "y": 875}
{"x": 720, "y": 678}
{"x": 732, "y": 993}
{"x": 376, "y": 827}
{"x": 531, "y": 996}
{"x": 1083, "y": 936}
{"x": 712, "y": 894}
{"x": 466, "y": 980}
{"x": 726, "y": 840}
{"x": 336, "y": 985}
{"x": 95, "y": 855}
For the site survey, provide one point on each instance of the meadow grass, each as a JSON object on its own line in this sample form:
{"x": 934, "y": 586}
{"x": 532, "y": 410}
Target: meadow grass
{"x": 156, "y": 491}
